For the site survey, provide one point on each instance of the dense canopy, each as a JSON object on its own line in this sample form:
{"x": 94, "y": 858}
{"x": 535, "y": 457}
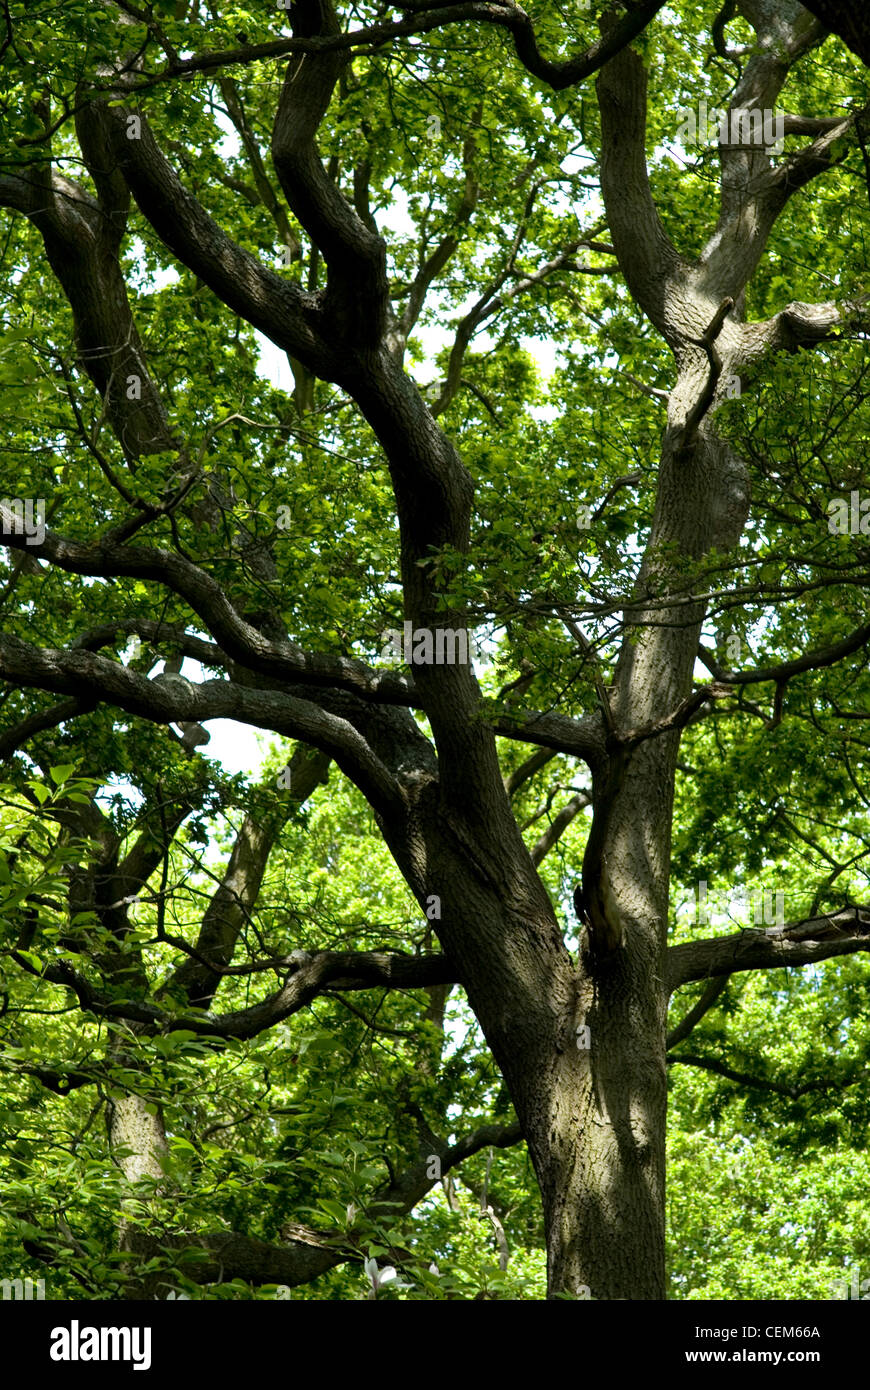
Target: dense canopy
{"x": 470, "y": 402}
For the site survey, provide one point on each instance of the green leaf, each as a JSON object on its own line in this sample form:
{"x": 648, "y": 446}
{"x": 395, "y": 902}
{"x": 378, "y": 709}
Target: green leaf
{"x": 60, "y": 774}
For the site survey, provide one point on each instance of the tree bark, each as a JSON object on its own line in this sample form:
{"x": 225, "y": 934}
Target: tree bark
{"x": 581, "y": 1046}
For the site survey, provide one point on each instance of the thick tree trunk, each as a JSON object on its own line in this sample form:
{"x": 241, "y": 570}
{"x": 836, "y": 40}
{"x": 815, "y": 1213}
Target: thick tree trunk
{"x": 602, "y": 1181}
{"x": 581, "y": 1047}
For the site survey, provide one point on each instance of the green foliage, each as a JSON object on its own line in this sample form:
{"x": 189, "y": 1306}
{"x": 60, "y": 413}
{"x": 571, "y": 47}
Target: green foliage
{"x": 314, "y": 1119}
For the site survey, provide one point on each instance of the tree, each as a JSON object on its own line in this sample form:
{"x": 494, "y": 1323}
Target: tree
{"x": 852, "y": 25}
{"x": 222, "y": 523}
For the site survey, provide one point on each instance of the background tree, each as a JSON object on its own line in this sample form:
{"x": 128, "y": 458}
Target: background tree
{"x": 236, "y": 553}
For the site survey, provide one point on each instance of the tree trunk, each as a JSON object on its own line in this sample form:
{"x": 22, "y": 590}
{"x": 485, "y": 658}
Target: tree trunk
{"x": 139, "y": 1139}
{"x": 602, "y": 1180}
